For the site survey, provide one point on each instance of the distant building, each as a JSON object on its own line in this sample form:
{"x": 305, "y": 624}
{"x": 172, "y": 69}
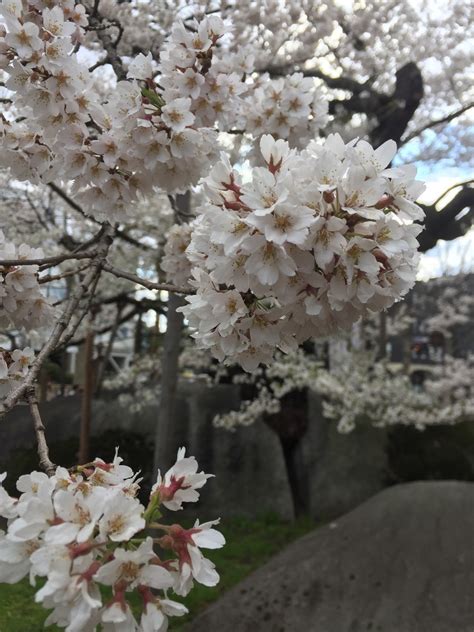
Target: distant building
{"x": 431, "y": 339}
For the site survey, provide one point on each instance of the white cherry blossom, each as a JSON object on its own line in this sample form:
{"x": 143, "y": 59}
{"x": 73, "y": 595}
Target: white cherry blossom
{"x": 180, "y": 483}
{"x": 311, "y": 243}
{"x": 83, "y": 529}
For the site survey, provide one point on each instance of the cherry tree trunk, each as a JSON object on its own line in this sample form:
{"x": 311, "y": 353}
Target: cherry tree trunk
{"x": 290, "y": 425}
{"x": 382, "y": 342}
{"x": 164, "y": 450}
{"x": 169, "y": 382}
{"x": 87, "y": 393}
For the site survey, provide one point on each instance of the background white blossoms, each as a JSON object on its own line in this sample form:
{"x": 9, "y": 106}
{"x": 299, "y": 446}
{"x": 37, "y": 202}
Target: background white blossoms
{"x": 83, "y": 528}
{"x": 363, "y": 391}
{"x": 14, "y": 366}
{"x": 21, "y": 301}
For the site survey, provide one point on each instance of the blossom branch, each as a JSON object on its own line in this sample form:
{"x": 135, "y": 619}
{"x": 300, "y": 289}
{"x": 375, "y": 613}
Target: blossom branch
{"x": 149, "y": 285}
{"x": 62, "y": 323}
{"x": 43, "y": 450}
{"x": 339, "y": 83}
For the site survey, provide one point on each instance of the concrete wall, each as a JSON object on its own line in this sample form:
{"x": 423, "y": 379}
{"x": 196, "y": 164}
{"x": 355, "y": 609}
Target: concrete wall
{"x": 340, "y": 470}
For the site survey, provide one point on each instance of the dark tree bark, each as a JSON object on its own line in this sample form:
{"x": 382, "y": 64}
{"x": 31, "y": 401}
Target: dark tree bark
{"x": 393, "y": 113}
{"x": 382, "y": 342}
{"x": 290, "y": 425}
{"x": 86, "y": 401}
{"x": 390, "y": 112}
{"x": 108, "y": 351}
{"x": 138, "y": 338}
{"x": 445, "y": 224}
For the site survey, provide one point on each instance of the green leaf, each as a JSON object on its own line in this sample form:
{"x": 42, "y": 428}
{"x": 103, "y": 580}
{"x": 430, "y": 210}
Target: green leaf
{"x": 154, "y": 98}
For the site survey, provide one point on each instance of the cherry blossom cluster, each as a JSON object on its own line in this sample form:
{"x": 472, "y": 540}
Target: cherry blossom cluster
{"x": 14, "y": 367}
{"x": 291, "y": 107}
{"x": 191, "y": 68}
{"x": 451, "y": 391}
{"x": 145, "y": 135}
{"x": 21, "y": 302}
{"x": 315, "y": 240}
{"x": 49, "y": 86}
{"x": 83, "y": 530}
{"x": 361, "y": 391}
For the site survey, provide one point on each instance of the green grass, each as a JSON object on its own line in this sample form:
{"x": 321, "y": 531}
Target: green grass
{"x": 250, "y": 543}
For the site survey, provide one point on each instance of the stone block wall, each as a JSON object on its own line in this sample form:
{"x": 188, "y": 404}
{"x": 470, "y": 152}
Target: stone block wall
{"x": 340, "y": 470}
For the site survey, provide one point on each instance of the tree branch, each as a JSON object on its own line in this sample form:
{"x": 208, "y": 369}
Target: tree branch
{"x": 110, "y": 46}
{"x": 444, "y": 223}
{"x": 74, "y": 326}
{"x": 43, "y": 450}
{"x": 103, "y": 330}
{"x": 453, "y": 186}
{"x": 440, "y": 121}
{"x": 392, "y": 112}
{"x": 337, "y": 83}
{"x": 48, "y": 262}
{"x": 149, "y": 285}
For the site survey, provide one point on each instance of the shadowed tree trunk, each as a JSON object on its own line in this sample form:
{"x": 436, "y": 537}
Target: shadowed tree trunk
{"x": 164, "y": 450}
{"x": 382, "y": 343}
{"x": 88, "y": 388}
{"x": 290, "y": 425}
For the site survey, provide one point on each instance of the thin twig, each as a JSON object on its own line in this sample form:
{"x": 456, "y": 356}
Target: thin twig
{"x": 98, "y": 64}
{"x": 42, "y": 446}
{"x": 444, "y": 119}
{"x": 103, "y": 330}
{"x": 150, "y": 285}
{"x": 108, "y": 350}
{"x": 56, "y": 277}
{"x": 48, "y": 262}
{"x": 73, "y": 327}
{"x": 74, "y": 205}
{"x": 454, "y": 186}
{"x": 62, "y": 194}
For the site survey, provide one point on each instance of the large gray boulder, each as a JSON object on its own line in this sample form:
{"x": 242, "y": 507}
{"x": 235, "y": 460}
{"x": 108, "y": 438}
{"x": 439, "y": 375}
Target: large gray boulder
{"x": 401, "y": 562}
